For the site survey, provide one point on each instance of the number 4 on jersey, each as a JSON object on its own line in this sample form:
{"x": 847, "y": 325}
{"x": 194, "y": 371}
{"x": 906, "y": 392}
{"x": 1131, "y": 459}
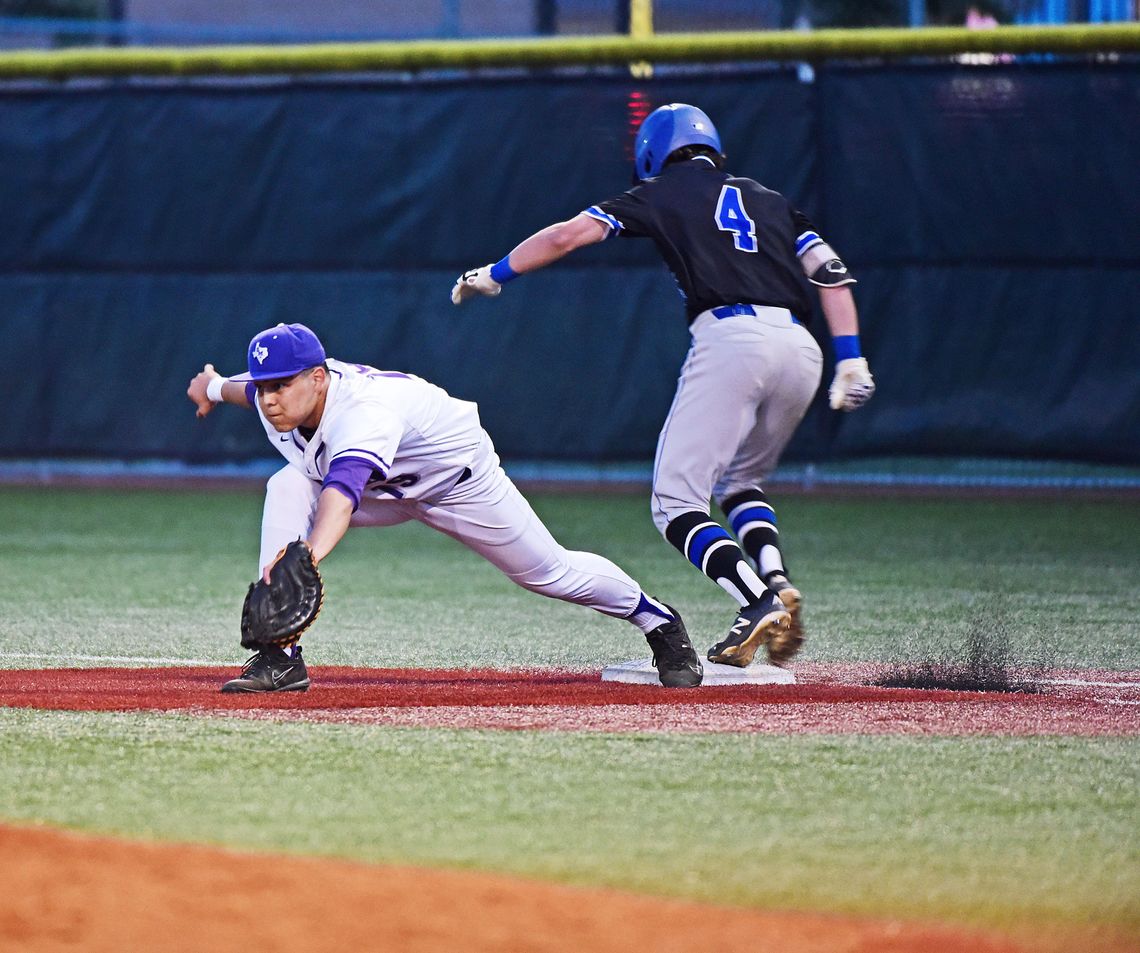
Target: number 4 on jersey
{"x": 731, "y": 217}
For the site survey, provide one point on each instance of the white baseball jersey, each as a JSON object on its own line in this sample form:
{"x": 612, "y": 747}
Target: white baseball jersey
{"x": 416, "y": 437}
{"x": 427, "y": 458}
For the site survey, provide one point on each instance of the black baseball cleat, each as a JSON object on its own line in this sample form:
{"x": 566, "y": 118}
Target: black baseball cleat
{"x": 271, "y": 670}
{"x": 676, "y": 662}
{"x": 766, "y": 623}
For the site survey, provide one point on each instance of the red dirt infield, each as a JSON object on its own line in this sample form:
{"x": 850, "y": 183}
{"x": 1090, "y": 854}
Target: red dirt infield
{"x": 828, "y": 699}
{"x": 63, "y": 891}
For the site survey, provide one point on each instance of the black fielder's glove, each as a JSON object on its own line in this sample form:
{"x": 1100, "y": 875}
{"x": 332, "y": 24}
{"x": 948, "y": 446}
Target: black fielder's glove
{"x": 278, "y": 612}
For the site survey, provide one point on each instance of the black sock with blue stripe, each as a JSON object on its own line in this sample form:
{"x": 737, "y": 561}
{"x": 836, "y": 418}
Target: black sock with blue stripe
{"x": 753, "y": 520}
{"x": 709, "y": 547}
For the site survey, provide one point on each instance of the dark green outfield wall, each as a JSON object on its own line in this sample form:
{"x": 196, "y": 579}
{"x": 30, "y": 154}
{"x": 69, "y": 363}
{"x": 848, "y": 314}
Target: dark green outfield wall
{"x": 992, "y": 215}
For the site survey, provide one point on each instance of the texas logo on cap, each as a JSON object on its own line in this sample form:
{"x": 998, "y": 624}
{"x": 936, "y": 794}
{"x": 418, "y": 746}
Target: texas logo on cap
{"x": 282, "y": 351}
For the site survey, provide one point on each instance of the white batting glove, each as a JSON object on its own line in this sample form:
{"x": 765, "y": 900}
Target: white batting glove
{"x": 852, "y": 386}
{"x": 475, "y": 282}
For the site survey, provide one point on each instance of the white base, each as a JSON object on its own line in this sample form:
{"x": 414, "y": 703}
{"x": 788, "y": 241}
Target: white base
{"x": 642, "y": 672}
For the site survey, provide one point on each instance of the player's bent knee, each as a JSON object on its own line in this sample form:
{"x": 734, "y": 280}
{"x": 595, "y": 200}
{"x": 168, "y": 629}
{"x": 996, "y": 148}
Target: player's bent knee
{"x": 660, "y": 519}
{"x": 286, "y": 482}
{"x": 664, "y": 516}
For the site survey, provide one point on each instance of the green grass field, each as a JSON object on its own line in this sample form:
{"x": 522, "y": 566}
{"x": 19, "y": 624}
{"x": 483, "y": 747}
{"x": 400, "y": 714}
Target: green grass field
{"x": 978, "y": 831}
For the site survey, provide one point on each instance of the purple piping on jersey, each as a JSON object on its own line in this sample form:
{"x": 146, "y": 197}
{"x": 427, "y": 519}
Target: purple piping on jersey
{"x": 348, "y": 475}
{"x": 360, "y": 453}
{"x": 594, "y": 212}
{"x": 369, "y": 371}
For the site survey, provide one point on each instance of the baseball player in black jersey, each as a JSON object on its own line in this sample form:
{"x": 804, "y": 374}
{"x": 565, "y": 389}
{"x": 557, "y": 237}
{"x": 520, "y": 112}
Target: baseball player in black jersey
{"x": 740, "y": 254}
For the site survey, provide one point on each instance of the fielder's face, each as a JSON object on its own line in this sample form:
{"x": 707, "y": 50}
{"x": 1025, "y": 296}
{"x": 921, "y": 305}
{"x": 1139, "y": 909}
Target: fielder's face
{"x": 292, "y": 402}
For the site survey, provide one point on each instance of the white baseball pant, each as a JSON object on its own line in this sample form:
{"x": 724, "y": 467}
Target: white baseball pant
{"x": 744, "y": 388}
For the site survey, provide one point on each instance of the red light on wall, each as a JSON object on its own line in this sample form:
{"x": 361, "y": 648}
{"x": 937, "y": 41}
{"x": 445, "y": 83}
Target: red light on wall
{"x": 637, "y": 107}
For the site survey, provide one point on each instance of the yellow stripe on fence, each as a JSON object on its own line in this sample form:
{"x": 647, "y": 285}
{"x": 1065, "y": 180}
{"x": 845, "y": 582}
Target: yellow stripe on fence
{"x": 541, "y": 52}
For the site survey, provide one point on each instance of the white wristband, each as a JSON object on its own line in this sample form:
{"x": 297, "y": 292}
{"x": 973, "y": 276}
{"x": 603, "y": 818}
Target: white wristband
{"x": 214, "y": 389}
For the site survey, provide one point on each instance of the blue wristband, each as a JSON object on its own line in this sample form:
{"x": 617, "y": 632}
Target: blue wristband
{"x": 846, "y": 346}
{"x": 502, "y": 272}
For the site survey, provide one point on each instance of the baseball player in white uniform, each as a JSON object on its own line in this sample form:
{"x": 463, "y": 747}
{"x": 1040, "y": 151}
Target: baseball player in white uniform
{"x": 366, "y": 447}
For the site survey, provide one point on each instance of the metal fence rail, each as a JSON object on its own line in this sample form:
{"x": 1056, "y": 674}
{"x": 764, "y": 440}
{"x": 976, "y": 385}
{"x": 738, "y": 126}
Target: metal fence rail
{"x": 549, "y": 52}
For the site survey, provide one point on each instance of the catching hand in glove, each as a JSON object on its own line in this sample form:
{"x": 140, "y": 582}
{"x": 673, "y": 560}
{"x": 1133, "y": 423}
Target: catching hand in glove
{"x": 285, "y": 601}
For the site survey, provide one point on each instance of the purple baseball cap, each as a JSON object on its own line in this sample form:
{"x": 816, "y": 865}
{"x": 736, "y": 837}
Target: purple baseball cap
{"x": 282, "y": 351}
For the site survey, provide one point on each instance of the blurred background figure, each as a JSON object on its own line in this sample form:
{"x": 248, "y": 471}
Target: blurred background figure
{"x": 977, "y": 20}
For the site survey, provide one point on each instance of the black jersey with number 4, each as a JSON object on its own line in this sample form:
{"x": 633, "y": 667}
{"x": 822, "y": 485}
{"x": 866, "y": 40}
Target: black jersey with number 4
{"x": 726, "y": 240}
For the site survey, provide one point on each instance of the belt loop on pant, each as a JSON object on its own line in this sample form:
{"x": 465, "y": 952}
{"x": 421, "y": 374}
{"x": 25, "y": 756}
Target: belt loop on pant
{"x": 728, "y": 310}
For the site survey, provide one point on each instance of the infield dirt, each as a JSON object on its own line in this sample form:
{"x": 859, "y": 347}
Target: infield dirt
{"x": 829, "y": 699}
{"x": 62, "y": 891}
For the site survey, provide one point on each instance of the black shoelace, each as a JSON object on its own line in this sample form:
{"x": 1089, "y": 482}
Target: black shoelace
{"x": 672, "y": 653}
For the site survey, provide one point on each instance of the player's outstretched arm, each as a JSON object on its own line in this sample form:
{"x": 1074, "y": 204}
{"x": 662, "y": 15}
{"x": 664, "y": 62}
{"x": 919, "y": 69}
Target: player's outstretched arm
{"x": 541, "y": 249}
{"x": 334, "y": 512}
{"x": 852, "y": 385}
{"x": 208, "y": 389}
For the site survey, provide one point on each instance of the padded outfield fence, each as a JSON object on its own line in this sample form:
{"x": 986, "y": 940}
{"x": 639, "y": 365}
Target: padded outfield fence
{"x": 158, "y": 220}
{"x": 154, "y": 223}
{"x": 426, "y": 55}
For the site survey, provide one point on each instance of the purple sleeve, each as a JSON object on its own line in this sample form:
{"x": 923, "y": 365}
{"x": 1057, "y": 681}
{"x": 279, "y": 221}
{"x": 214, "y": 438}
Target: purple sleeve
{"x": 349, "y": 475}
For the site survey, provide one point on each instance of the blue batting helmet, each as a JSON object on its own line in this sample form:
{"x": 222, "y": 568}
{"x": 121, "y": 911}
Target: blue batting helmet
{"x": 667, "y": 129}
